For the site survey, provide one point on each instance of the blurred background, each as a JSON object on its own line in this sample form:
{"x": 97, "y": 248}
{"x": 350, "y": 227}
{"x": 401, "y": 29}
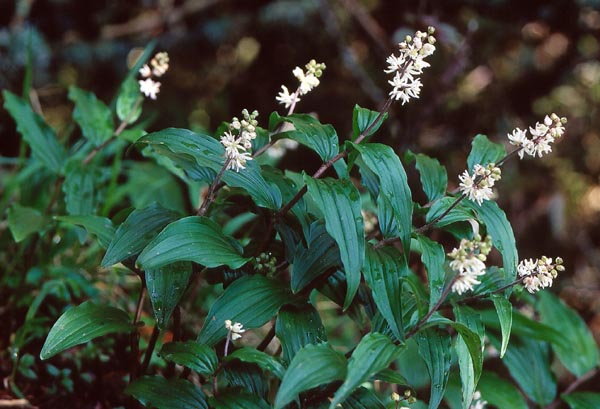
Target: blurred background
{"x": 499, "y": 64}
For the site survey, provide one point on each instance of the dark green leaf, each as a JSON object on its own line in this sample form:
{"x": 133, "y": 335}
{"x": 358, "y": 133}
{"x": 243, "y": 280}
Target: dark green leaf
{"x": 321, "y": 255}
{"x": 247, "y": 376}
{"x": 502, "y": 234}
{"x": 579, "y": 351}
{"x": 82, "y": 324}
{"x": 362, "y": 118}
{"x": 79, "y": 189}
{"x": 309, "y": 132}
{"x": 372, "y": 354}
{"x": 161, "y": 393}
{"x": 484, "y": 151}
{"x": 23, "y": 221}
{"x": 100, "y": 227}
{"x": 363, "y": 398}
{"x": 193, "y": 238}
{"x": 312, "y": 366}
{"x": 434, "y": 348}
{"x": 140, "y": 227}
{"x": 166, "y": 286}
{"x": 198, "y": 357}
{"x": 468, "y": 348}
{"x": 264, "y": 361}
{"x": 339, "y": 201}
{"x": 434, "y": 177}
{"x": 582, "y": 400}
{"x": 92, "y": 116}
{"x": 504, "y": 311}
{"x": 433, "y": 257}
{"x": 236, "y": 398}
{"x": 390, "y": 376}
{"x": 499, "y": 392}
{"x": 382, "y": 161}
{"x": 457, "y": 214}
{"x": 129, "y": 93}
{"x": 384, "y": 270}
{"x": 250, "y": 300}
{"x": 297, "y": 327}
{"x": 35, "y": 132}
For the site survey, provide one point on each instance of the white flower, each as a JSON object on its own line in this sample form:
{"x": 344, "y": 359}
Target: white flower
{"x": 149, "y": 88}
{"x": 542, "y": 136}
{"x": 464, "y": 283}
{"x": 405, "y": 87}
{"x": 285, "y": 98}
{"x": 238, "y": 140}
{"x": 145, "y": 71}
{"x": 478, "y": 187}
{"x": 308, "y": 79}
{"x": 160, "y": 64}
{"x": 236, "y": 329}
{"x": 469, "y": 263}
{"x": 478, "y": 403}
{"x": 539, "y": 273}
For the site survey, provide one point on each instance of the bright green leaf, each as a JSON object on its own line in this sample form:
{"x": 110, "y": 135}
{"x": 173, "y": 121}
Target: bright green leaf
{"x": 484, "y": 151}
{"x": 23, "y": 221}
{"x": 468, "y": 348}
{"x": 92, "y": 116}
{"x": 166, "y": 286}
{"x": 433, "y": 257}
{"x": 500, "y": 392}
{"x": 161, "y": 393}
{"x": 79, "y": 189}
{"x": 582, "y": 400}
{"x": 434, "y": 177}
{"x": 363, "y": 118}
{"x": 198, "y": 357}
{"x": 504, "y": 311}
{"x": 83, "y": 323}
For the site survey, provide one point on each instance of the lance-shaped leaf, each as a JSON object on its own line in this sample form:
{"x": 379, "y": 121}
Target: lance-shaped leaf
{"x": 579, "y": 351}
{"x": 23, "y": 221}
{"x": 502, "y": 234}
{"x": 250, "y": 300}
{"x": 434, "y": 348}
{"x": 127, "y": 99}
{"x": 237, "y": 398}
{"x": 92, "y": 116}
{"x": 82, "y": 324}
{"x": 198, "y": 357}
{"x": 79, "y": 189}
{"x": 36, "y": 132}
{"x": 500, "y": 392}
{"x": 161, "y": 393}
{"x": 195, "y": 153}
{"x": 484, "y": 151}
{"x": 363, "y": 398}
{"x": 166, "y": 286}
{"x": 363, "y": 118}
{"x": 432, "y": 256}
{"x": 384, "y": 270}
{"x": 265, "y": 361}
{"x": 458, "y": 213}
{"x": 309, "y": 132}
{"x": 470, "y": 364}
{"x": 312, "y": 366}
{"x": 140, "y": 227}
{"x": 339, "y": 201}
{"x": 100, "y": 227}
{"x": 373, "y": 353}
{"x": 434, "y": 177}
{"x": 193, "y": 238}
{"x": 504, "y": 311}
{"x": 297, "y": 327}
{"x": 582, "y": 400}
{"x": 382, "y": 161}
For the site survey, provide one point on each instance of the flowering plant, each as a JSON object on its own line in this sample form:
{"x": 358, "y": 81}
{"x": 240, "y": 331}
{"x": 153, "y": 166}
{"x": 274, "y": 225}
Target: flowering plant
{"x": 269, "y": 249}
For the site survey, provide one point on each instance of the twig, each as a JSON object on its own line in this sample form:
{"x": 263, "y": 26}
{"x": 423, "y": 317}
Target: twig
{"x": 135, "y": 335}
{"x": 214, "y": 187}
{"x": 150, "y": 349}
{"x": 574, "y": 385}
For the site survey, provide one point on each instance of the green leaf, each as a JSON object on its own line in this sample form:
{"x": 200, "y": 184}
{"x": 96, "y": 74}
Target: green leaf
{"x": 264, "y": 361}
{"x": 390, "y": 376}
{"x": 528, "y": 362}
{"x": 434, "y": 348}
{"x": 127, "y": 99}
{"x": 309, "y": 132}
{"x": 236, "y": 398}
{"x": 198, "y": 357}
{"x": 297, "y": 327}
{"x": 339, "y": 201}
{"x": 433, "y": 257}
{"x": 309, "y": 263}
{"x": 23, "y": 221}
{"x": 582, "y": 400}
{"x": 382, "y": 161}
{"x": 83, "y": 323}
{"x": 502, "y": 234}
{"x": 92, "y": 116}
{"x": 372, "y": 354}
{"x": 35, "y": 131}
{"x": 384, "y": 270}
{"x": 484, "y": 151}
{"x": 500, "y": 392}
{"x": 140, "y": 227}
{"x": 161, "y": 393}
{"x": 312, "y": 366}
{"x": 504, "y": 311}
{"x": 363, "y": 398}
{"x": 247, "y": 376}
{"x": 195, "y": 153}
{"x": 362, "y": 118}
{"x": 469, "y": 345}
{"x": 579, "y": 351}
{"x": 79, "y": 189}
{"x": 100, "y": 227}
{"x": 457, "y": 214}
{"x": 250, "y": 300}
{"x": 193, "y": 238}
{"x": 166, "y": 286}
{"x": 434, "y": 177}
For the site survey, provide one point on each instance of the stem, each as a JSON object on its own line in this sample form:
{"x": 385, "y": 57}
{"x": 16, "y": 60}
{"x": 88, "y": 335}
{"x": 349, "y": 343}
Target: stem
{"x": 135, "y": 336}
{"x": 574, "y": 385}
{"x": 227, "y": 341}
{"x": 210, "y": 197}
{"x": 150, "y": 349}
{"x": 497, "y": 290}
{"x": 265, "y": 342}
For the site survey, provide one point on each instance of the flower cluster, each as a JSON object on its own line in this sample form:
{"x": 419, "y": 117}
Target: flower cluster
{"x": 309, "y": 80}
{"x": 238, "y": 140}
{"x": 478, "y": 187}
{"x": 410, "y": 64}
{"x": 542, "y": 136}
{"x": 468, "y": 261}
{"x": 539, "y": 273}
{"x": 478, "y": 403}
{"x": 157, "y": 68}
{"x": 235, "y": 329}
{"x": 407, "y": 397}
